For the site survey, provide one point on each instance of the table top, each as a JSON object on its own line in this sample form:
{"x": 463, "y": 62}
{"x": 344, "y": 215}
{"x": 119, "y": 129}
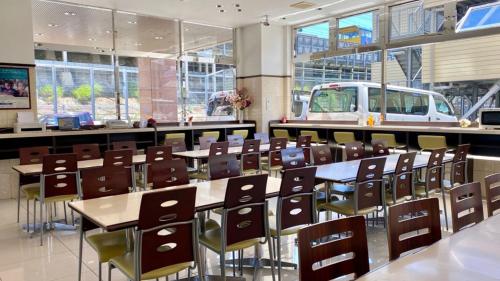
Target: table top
{"x": 122, "y": 211}
{"x": 471, "y": 254}
{"x": 36, "y": 169}
{"x": 202, "y": 154}
{"x": 347, "y": 171}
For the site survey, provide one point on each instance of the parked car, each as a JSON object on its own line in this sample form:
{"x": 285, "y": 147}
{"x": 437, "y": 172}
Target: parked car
{"x": 355, "y": 101}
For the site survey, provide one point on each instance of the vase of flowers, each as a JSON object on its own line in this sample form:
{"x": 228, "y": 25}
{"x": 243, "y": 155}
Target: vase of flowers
{"x": 239, "y": 100}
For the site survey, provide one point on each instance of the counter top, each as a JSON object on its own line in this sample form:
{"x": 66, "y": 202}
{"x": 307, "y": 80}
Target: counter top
{"x": 121, "y": 131}
{"x": 429, "y": 129}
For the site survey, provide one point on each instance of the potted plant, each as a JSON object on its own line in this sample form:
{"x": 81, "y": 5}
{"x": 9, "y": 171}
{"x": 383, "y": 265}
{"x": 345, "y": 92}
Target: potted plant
{"x": 239, "y": 100}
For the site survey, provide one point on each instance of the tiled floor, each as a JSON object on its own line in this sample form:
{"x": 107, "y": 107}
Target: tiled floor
{"x": 22, "y": 258}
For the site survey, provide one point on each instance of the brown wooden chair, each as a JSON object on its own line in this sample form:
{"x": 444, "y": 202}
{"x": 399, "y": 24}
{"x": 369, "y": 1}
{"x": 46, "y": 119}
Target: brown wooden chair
{"x": 368, "y": 191}
{"x": 154, "y": 154}
{"x": 458, "y": 172}
{"x": 273, "y": 161}
{"x": 466, "y": 199}
{"x": 304, "y": 142}
{"x": 169, "y": 173}
{"x": 121, "y": 159}
{"x": 402, "y": 181}
{"x": 380, "y": 148}
{"x": 124, "y": 145}
{"x": 89, "y": 151}
{"x": 205, "y": 142}
{"x": 218, "y": 148}
{"x": 433, "y": 182}
{"x": 178, "y": 145}
{"x": 223, "y": 166}
{"x": 292, "y": 158}
{"x": 296, "y": 206}
{"x": 250, "y": 157}
{"x": 166, "y": 237}
{"x": 235, "y": 140}
{"x": 96, "y": 183}
{"x": 322, "y": 155}
{"x": 30, "y": 185}
{"x": 492, "y": 188}
{"x": 244, "y": 221}
{"x": 59, "y": 183}
{"x": 354, "y": 151}
{"x": 406, "y": 220}
{"x": 313, "y": 249}
{"x": 263, "y": 137}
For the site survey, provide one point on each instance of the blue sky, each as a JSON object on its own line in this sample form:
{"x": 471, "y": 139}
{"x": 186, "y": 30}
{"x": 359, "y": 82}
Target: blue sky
{"x": 321, "y": 29}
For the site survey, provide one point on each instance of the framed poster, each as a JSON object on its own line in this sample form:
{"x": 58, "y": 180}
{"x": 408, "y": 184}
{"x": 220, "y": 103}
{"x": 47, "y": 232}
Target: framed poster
{"x": 14, "y": 87}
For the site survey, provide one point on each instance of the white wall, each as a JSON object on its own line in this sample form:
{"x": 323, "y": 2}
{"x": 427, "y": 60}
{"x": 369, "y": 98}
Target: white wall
{"x": 16, "y": 32}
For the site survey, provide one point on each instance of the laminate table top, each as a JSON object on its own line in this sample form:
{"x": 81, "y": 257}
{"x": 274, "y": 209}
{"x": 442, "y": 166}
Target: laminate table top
{"x": 469, "y": 255}
{"x": 122, "y": 211}
{"x": 347, "y": 171}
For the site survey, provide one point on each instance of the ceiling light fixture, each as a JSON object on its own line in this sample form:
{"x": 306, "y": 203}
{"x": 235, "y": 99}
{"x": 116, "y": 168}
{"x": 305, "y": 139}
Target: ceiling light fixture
{"x": 53, "y": 25}
{"x": 91, "y": 39}
{"x": 219, "y": 6}
{"x": 132, "y": 22}
{"x": 240, "y": 10}
{"x": 237, "y": 5}
{"x": 38, "y": 34}
{"x": 108, "y": 31}
{"x": 70, "y": 13}
{"x": 158, "y": 37}
{"x": 310, "y": 10}
{"x": 138, "y": 43}
{"x": 221, "y": 11}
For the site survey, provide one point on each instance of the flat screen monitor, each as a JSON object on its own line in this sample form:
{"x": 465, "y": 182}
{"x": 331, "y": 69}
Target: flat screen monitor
{"x": 68, "y": 123}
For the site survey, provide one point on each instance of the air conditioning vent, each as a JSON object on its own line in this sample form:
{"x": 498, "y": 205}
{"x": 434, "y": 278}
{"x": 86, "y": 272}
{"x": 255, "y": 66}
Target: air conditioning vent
{"x": 303, "y": 5}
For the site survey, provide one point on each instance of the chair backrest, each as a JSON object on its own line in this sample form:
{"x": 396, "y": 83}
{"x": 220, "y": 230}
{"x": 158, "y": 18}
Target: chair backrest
{"x": 321, "y": 155}
{"x": 251, "y": 146}
{"x": 59, "y": 173}
{"x": 156, "y": 154}
{"x": 277, "y": 144}
{"x": 223, "y": 166}
{"x": 406, "y": 222}
{"x": 263, "y": 137}
{"x": 380, "y": 148}
{"x": 178, "y": 144}
{"x": 213, "y": 134}
{"x": 368, "y": 192}
{"x": 205, "y": 142}
{"x": 313, "y": 134}
{"x": 88, "y": 151}
{"x": 466, "y": 205}
{"x": 218, "y": 148}
{"x": 118, "y": 160}
{"x": 313, "y": 249}
{"x": 296, "y": 202}
{"x": 31, "y": 155}
{"x": 235, "y": 140}
{"x": 390, "y": 138}
{"x": 429, "y": 142}
{"x": 167, "y": 229}
{"x": 343, "y": 137}
{"x": 281, "y": 133}
{"x": 245, "y": 208}
{"x": 122, "y": 145}
{"x": 434, "y": 172}
{"x": 292, "y": 158}
{"x": 169, "y": 173}
{"x": 492, "y": 189}
{"x": 403, "y": 176}
{"x": 303, "y": 141}
{"x": 242, "y": 133}
{"x": 354, "y": 150}
{"x": 459, "y": 165}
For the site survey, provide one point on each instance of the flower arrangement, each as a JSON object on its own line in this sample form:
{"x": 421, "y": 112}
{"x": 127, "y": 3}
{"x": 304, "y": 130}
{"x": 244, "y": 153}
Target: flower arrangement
{"x": 239, "y": 99}
{"x": 464, "y": 123}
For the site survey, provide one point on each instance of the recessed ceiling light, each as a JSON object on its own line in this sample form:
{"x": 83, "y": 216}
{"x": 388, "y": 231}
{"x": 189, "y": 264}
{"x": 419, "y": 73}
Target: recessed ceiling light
{"x": 53, "y": 25}
{"x": 70, "y": 13}
{"x": 91, "y": 39}
{"x": 221, "y": 11}
{"x": 237, "y": 5}
{"x": 38, "y": 34}
{"x": 132, "y": 22}
{"x": 138, "y": 43}
{"x": 219, "y": 6}
{"x": 283, "y": 18}
{"x": 240, "y": 10}
{"x": 158, "y": 37}
{"x": 108, "y": 31}
{"x": 186, "y": 29}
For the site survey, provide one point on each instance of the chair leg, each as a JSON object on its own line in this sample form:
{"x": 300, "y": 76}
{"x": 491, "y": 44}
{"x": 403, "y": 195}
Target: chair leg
{"x": 28, "y": 215}
{"x": 234, "y": 265}
{"x": 110, "y": 267}
{"x": 65, "y": 215}
{"x": 100, "y": 271}
{"x": 42, "y": 226}
{"x": 444, "y": 207}
{"x": 271, "y": 255}
{"x": 222, "y": 257}
{"x": 278, "y": 250}
{"x": 80, "y": 257}
{"x": 18, "y": 202}
{"x": 34, "y": 216}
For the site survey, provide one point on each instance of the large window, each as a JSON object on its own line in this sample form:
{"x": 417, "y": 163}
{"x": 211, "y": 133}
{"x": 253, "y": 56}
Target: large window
{"x": 334, "y": 100}
{"x": 313, "y": 38}
{"x": 357, "y": 30}
{"x": 399, "y": 102}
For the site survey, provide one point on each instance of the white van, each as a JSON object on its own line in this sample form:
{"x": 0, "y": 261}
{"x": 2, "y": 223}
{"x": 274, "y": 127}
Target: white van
{"x": 355, "y": 101}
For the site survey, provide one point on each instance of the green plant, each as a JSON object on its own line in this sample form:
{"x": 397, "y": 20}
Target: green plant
{"x": 46, "y": 92}
{"x": 84, "y": 92}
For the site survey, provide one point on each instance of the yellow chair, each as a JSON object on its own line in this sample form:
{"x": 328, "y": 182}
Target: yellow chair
{"x": 314, "y": 136}
{"x": 214, "y": 134}
{"x": 175, "y": 136}
{"x": 282, "y": 133}
{"x": 243, "y": 133}
{"x": 343, "y": 137}
{"x": 429, "y": 143}
{"x": 390, "y": 139}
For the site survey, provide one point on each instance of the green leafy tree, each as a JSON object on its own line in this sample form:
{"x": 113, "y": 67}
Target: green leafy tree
{"x": 83, "y": 93}
{"x": 46, "y": 92}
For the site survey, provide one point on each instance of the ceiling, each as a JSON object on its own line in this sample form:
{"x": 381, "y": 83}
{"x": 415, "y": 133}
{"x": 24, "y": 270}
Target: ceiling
{"x": 252, "y": 11}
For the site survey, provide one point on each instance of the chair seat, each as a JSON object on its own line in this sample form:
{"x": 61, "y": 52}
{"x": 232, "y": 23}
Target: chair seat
{"x": 390, "y": 201}
{"x": 108, "y": 244}
{"x": 250, "y": 171}
{"x": 59, "y": 198}
{"x": 199, "y": 176}
{"x": 265, "y": 166}
{"x": 212, "y": 236}
{"x": 126, "y": 264}
{"x": 31, "y": 191}
{"x": 284, "y": 232}
{"x": 345, "y": 207}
